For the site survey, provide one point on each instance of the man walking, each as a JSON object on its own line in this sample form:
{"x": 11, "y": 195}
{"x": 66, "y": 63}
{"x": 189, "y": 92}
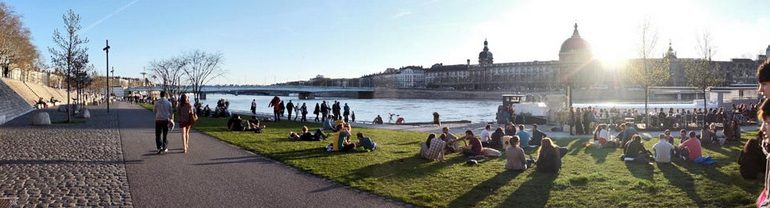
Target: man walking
{"x": 163, "y": 117}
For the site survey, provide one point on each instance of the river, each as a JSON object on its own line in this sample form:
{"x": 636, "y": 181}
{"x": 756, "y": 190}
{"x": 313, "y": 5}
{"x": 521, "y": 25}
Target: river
{"x": 413, "y": 110}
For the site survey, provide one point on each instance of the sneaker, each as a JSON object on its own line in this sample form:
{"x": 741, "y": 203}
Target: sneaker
{"x": 165, "y": 149}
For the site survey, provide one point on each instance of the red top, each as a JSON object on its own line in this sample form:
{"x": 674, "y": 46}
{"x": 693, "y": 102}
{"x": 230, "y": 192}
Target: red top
{"x": 693, "y": 146}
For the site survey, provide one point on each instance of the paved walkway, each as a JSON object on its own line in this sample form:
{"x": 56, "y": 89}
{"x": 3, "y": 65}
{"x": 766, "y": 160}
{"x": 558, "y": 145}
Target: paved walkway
{"x": 215, "y": 174}
{"x": 75, "y": 165}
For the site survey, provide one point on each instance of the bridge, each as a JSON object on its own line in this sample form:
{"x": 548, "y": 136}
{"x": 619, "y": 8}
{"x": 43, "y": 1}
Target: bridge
{"x": 304, "y": 92}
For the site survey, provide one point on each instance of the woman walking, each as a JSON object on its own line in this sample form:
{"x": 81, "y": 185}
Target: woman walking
{"x": 186, "y": 119}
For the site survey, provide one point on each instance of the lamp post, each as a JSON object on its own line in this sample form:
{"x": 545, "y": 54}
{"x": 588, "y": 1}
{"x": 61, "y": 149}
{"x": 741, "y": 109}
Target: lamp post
{"x": 107, "y": 52}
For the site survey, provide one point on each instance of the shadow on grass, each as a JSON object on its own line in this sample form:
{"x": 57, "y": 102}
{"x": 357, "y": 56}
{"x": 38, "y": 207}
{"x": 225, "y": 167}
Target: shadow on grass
{"x": 640, "y": 170}
{"x": 484, "y": 189}
{"x": 714, "y": 174}
{"x": 411, "y": 167}
{"x": 681, "y": 180}
{"x": 532, "y": 193}
{"x": 577, "y": 145}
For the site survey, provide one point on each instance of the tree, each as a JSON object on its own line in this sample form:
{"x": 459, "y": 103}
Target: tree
{"x": 70, "y": 50}
{"x": 645, "y": 72}
{"x": 16, "y": 48}
{"x": 169, "y": 72}
{"x": 703, "y": 73}
{"x": 201, "y": 68}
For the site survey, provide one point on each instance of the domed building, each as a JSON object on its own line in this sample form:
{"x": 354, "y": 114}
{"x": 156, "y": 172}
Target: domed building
{"x": 575, "y": 59}
{"x": 485, "y": 57}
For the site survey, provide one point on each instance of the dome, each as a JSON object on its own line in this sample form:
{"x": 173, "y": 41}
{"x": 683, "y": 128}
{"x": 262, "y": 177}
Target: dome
{"x": 485, "y": 57}
{"x": 574, "y": 42}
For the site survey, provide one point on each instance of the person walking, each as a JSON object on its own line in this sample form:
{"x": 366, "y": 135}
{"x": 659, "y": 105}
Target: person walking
{"x": 303, "y": 109}
{"x": 275, "y": 103}
{"x": 163, "y": 117}
{"x": 254, "y": 106}
{"x": 316, "y": 111}
{"x": 186, "y": 120}
{"x": 282, "y": 108}
{"x": 289, "y": 108}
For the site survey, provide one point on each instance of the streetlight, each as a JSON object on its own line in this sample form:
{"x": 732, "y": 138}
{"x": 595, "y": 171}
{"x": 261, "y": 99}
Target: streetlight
{"x": 107, "y": 52}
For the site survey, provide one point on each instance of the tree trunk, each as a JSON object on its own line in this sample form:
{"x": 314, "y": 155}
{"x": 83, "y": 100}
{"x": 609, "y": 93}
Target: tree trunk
{"x": 705, "y": 110}
{"x": 646, "y": 101}
{"x": 68, "y": 95}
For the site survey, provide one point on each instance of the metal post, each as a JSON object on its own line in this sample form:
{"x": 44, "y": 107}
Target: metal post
{"x": 107, "y": 52}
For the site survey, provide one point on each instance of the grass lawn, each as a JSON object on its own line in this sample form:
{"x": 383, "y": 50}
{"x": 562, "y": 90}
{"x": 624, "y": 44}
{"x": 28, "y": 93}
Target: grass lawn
{"x": 588, "y": 178}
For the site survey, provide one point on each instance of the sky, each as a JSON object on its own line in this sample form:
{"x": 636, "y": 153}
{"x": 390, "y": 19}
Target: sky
{"x": 265, "y": 42}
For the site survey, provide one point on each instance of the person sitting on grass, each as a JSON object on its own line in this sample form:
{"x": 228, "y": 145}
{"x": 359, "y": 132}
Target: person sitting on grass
{"x": 497, "y": 138}
{"x": 636, "y": 151}
{"x": 343, "y": 141}
{"x": 328, "y": 125}
{"x": 514, "y": 155}
{"x": 365, "y": 142}
{"x": 235, "y": 123}
{"x": 707, "y": 134}
{"x": 485, "y": 135}
{"x": 523, "y": 137}
{"x": 663, "y": 149}
{"x": 682, "y": 136}
{"x": 475, "y": 148}
{"x": 667, "y": 136}
{"x": 254, "y": 125}
{"x": 690, "y": 149}
{"x": 433, "y": 148}
{"x": 601, "y": 137}
{"x": 537, "y": 136}
{"x": 548, "y": 157}
{"x": 452, "y": 142}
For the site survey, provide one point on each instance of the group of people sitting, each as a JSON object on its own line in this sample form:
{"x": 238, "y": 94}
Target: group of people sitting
{"x": 236, "y": 123}
{"x": 342, "y": 142}
{"x": 549, "y": 154}
{"x": 689, "y": 149}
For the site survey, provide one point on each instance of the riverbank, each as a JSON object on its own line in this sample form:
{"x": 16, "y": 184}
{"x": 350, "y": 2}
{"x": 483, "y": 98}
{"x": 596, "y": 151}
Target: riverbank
{"x": 395, "y": 170}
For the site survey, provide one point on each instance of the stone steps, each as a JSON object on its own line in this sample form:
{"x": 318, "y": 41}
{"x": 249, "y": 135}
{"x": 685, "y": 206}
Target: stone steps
{"x": 12, "y": 105}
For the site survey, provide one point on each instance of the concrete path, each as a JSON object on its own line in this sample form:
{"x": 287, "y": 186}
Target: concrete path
{"x": 216, "y": 174}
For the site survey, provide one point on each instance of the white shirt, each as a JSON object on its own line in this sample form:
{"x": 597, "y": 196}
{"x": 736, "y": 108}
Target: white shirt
{"x": 484, "y": 135}
{"x": 604, "y": 134}
{"x": 663, "y": 151}
{"x": 162, "y": 109}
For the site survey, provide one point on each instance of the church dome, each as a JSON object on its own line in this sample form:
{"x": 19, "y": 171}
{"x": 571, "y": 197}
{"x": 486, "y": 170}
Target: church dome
{"x": 485, "y": 56}
{"x": 574, "y": 43}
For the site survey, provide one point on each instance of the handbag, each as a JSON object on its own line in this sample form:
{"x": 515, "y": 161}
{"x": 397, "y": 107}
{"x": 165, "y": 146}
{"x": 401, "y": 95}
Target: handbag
{"x": 193, "y": 117}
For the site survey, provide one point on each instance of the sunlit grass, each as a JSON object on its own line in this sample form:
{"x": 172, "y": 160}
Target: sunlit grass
{"x": 589, "y": 178}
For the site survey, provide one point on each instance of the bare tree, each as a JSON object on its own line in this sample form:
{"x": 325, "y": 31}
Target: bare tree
{"x": 169, "y": 73}
{"x": 645, "y": 72}
{"x": 703, "y": 73}
{"x": 70, "y": 50}
{"x": 201, "y": 68}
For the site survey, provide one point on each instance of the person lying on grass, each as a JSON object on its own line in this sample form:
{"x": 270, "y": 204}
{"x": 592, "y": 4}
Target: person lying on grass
{"x": 433, "y": 148}
{"x": 254, "y": 125}
{"x": 305, "y": 135}
{"x": 548, "y": 157}
{"x": 475, "y": 148}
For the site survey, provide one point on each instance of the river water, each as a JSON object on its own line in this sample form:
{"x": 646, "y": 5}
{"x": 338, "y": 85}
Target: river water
{"x": 413, "y": 110}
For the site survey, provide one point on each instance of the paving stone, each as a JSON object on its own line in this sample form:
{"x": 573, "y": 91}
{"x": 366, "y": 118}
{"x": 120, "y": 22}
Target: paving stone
{"x": 70, "y": 165}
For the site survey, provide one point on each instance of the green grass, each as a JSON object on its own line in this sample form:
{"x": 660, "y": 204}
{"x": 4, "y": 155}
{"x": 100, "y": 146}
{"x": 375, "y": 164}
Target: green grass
{"x": 588, "y": 178}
